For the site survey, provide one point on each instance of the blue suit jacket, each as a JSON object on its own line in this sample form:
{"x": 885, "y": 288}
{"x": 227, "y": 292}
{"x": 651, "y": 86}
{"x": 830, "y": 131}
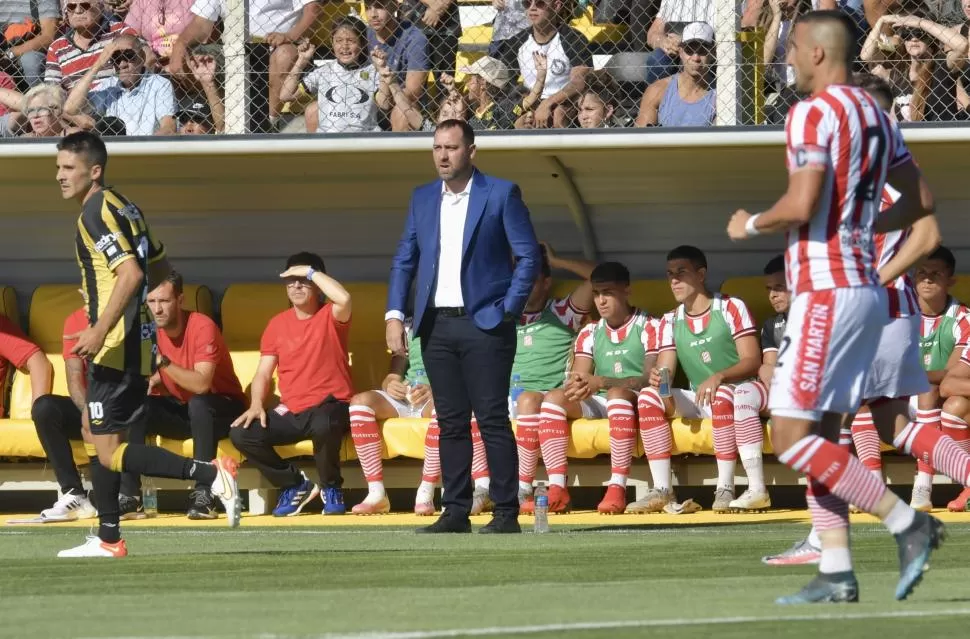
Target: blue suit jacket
{"x": 497, "y": 229}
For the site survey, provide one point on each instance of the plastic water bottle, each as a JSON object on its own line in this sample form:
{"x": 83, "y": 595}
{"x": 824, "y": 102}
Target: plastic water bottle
{"x": 149, "y": 498}
{"x": 541, "y": 498}
{"x": 416, "y": 380}
{"x": 514, "y": 391}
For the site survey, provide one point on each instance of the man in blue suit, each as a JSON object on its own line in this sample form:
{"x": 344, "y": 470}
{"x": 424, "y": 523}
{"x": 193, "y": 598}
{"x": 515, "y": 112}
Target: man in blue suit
{"x": 470, "y": 246}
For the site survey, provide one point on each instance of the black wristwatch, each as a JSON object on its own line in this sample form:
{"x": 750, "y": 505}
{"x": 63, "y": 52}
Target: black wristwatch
{"x": 163, "y": 362}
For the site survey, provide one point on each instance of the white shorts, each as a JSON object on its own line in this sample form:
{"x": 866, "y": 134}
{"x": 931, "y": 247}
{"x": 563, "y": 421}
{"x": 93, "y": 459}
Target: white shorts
{"x": 685, "y": 405}
{"x": 897, "y": 371}
{"x": 403, "y": 409}
{"x": 594, "y": 407}
{"x": 827, "y": 351}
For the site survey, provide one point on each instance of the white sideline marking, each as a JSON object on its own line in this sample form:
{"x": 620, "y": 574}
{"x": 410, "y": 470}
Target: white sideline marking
{"x": 601, "y": 625}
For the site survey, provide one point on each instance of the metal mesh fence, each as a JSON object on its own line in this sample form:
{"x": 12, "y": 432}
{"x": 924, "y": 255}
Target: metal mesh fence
{"x": 144, "y": 67}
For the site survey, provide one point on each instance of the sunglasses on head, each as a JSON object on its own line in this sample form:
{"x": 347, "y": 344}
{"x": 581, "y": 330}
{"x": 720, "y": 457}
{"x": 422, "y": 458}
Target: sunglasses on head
{"x": 912, "y": 34}
{"x": 79, "y": 6}
{"x": 124, "y": 55}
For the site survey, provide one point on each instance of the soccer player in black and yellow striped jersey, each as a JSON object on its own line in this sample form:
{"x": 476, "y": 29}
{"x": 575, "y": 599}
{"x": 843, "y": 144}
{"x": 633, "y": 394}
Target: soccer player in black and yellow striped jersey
{"x": 120, "y": 261}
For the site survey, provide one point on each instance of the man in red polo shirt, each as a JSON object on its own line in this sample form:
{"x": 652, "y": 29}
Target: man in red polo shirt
{"x": 195, "y": 392}
{"x": 307, "y": 345}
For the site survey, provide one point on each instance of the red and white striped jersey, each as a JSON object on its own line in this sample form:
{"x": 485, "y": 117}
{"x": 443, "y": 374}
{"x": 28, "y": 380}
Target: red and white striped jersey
{"x": 67, "y": 62}
{"x": 843, "y": 132}
{"x": 902, "y": 295}
{"x": 732, "y": 309}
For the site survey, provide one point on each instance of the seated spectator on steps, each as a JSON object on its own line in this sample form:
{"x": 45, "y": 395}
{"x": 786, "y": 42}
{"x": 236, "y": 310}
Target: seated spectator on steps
{"x": 144, "y": 101}
{"x": 599, "y": 101}
{"x": 29, "y": 28}
{"x": 665, "y": 34}
{"x": 196, "y": 120}
{"x": 160, "y": 22}
{"x": 686, "y": 98}
{"x": 405, "y": 53}
{"x": 208, "y": 115}
{"x": 346, "y": 87}
{"x": 568, "y": 60}
{"x": 452, "y": 106}
{"x": 494, "y": 99}
{"x": 307, "y": 345}
{"x": 440, "y": 22}
{"x": 90, "y": 30}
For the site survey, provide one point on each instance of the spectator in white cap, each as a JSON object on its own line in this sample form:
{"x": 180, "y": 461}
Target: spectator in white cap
{"x": 488, "y": 82}
{"x": 686, "y": 98}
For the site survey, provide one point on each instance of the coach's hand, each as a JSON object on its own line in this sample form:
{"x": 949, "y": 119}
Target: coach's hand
{"x": 89, "y": 342}
{"x": 254, "y": 413}
{"x": 394, "y": 333}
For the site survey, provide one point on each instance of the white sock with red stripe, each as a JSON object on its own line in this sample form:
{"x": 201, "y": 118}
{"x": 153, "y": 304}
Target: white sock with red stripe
{"x": 623, "y": 438}
{"x": 935, "y": 449}
{"x": 527, "y": 445}
{"x": 367, "y": 442}
{"x": 865, "y": 438}
{"x": 479, "y": 459}
{"x": 829, "y": 513}
{"x": 725, "y": 442}
{"x": 749, "y": 399}
{"x": 956, "y": 428}
{"x": 656, "y": 436}
{"x": 431, "y": 469}
{"x": 554, "y": 441}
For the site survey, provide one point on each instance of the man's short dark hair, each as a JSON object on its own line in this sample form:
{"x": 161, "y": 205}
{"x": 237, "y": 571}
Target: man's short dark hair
{"x": 88, "y": 145}
{"x": 305, "y": 258}
{"x": 877, "y": 88}
{"x": 837, "y": 19}
{"x": 946, "y": 256}
{"x": 690, "y": 253}
{"x": 467, "y": 132}
{"x": 610, "y": 273}
{"x": 177, "y": 282}
{"x": 775, "y": 265}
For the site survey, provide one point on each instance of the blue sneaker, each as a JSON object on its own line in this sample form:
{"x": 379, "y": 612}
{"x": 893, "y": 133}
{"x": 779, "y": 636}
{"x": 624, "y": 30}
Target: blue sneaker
{"x": 293, "y": 499}
{"x": 924, "y": 535}
{"x": 840, "y": 587}
{"x": 333, "y": 502}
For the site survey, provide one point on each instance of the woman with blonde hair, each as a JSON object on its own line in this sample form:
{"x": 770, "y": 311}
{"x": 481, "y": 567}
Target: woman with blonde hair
{"x": 43, "y": 111}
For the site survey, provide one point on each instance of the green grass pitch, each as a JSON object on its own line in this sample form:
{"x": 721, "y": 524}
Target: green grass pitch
{"x": 387, "y": 583}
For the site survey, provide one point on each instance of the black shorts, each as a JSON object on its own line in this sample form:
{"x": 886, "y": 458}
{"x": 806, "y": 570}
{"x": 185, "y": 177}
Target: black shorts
{"x": 116, "y": 399}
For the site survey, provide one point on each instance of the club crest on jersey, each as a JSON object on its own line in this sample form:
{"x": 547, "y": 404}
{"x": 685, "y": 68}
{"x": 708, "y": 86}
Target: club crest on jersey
{"x": 365, "y": 75}
{"x": 131, "y": 212}
{"x": 926, "y": 360}
{"x": 706, "y": 357}
{"x": 527, "y": 340}
{"x": 617, "y": 368}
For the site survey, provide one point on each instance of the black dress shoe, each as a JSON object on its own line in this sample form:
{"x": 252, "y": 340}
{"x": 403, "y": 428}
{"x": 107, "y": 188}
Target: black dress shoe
{"x": 447, "y": 524}
{"x": 501, "y": 525}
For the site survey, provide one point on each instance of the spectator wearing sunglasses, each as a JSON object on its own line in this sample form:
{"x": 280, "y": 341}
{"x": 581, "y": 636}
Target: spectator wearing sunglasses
{"x": 145, "y": 102}
{"x": 686, "y": 98}
{"x": 27, "y": 42}
{"x": 72, "y": 55}
{"x": 568, "y": 60}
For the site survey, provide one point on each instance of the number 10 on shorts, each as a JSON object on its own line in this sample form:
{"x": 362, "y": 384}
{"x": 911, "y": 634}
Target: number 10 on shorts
{"x": 95, "y": 410}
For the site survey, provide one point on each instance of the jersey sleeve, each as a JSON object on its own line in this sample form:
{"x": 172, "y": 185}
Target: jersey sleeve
{"x": 665, "y": 333}
{"x": 206, "y": 342}
{"x": 110, "y": 232}
{"x": 768, "y": 344}
{"x": 313, "y": 80}
{"x": 268, "y": 343}
{"x": 961, "y": 330}
{"x": 568, "y": 314}
{"x": 807, "y": 138}
{"x": 584, "y": 342}
{"x": 965, "y": 357}
{"x": 738, "y": 318}
{"x": 15, "y": 347}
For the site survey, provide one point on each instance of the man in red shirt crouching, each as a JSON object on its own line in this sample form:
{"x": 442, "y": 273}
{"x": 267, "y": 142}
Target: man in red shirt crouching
{"x": 194, "y": 391}
{"x": 307, "y": 345}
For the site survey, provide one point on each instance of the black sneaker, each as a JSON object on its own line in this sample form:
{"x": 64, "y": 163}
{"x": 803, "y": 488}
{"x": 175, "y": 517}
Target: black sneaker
{"x": 202, "y": 505}
{"x": 130, "y": 508}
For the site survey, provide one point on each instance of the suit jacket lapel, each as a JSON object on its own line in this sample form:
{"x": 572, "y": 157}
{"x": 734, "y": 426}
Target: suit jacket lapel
{"x": 476, "y": 207}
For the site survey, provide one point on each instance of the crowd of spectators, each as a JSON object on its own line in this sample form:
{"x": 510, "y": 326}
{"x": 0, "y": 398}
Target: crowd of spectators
{"x": 157, "y": 67}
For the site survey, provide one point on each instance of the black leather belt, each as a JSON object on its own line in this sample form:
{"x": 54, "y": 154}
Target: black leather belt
{"x": 450, "y": 311}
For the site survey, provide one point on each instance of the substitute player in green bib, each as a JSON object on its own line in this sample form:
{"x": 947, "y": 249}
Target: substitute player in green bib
{"x": 714, "y": 339}
{"x": 545, "y": 333}
{"x": 611, "y": 361}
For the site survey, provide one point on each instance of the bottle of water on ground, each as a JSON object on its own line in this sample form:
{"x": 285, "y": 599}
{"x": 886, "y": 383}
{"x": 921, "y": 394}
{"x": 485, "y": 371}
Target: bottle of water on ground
{"x": 514, "y": 391}
{"x": 149, "y": 498}
{"x": 541, "y": 509}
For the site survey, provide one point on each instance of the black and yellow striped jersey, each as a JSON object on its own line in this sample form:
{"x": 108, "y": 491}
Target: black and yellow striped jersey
{"x": 110, "y": 231}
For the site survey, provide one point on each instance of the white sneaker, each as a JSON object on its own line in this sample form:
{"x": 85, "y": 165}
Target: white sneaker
{"x": 69, "y": 507}
{"x": 751, "y": 500}
{"x": 94, "y": 547}
{"x": 921, "y": 499}
{"x": 226, "y": 488}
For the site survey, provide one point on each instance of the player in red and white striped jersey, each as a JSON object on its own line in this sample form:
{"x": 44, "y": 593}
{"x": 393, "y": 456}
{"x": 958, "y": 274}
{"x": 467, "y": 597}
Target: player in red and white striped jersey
{"x": 841, "y": 151}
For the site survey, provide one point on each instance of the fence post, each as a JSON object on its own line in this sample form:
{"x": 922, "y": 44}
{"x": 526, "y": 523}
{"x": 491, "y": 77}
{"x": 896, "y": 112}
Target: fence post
{"x": 234, "y": 35}
{"x": 728, "y": 22}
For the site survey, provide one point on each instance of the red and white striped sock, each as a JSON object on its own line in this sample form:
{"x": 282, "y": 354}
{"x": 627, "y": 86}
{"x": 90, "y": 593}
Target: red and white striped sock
{"x": 725, "y": 442}
{"x": 554, "y": 442}
{"x": 831, "y": 465}
{"x": 829, "y": 513}
{"x": 865, "y": 437}
{"x": 431, "y": 469}
{"x": 623, "y": 438}
{"x": 933, "y": 419}
{"x": 479, "y": 459}
{"x": 750, "y": 398}
{"x": 367, "y": 443}
{"x": 658, "y": 441}
{"x": 956, "y": 428}
{"x": 527, "y": 443}
{"x": 935, "y": 449}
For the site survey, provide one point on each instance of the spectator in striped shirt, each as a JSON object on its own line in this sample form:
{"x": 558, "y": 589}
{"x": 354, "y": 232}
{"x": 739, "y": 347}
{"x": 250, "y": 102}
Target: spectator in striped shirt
{"x": 26, "y": 52}
{"x": 70, "y": 57}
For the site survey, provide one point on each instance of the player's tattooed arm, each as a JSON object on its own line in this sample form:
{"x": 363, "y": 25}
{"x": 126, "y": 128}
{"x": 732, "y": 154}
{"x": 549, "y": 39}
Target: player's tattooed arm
{"x": 633, "y": 383}
{"x": 76, "y": 385}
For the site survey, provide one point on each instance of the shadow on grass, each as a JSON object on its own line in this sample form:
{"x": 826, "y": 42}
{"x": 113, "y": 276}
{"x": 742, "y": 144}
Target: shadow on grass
{"x": 647, "y": 526}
